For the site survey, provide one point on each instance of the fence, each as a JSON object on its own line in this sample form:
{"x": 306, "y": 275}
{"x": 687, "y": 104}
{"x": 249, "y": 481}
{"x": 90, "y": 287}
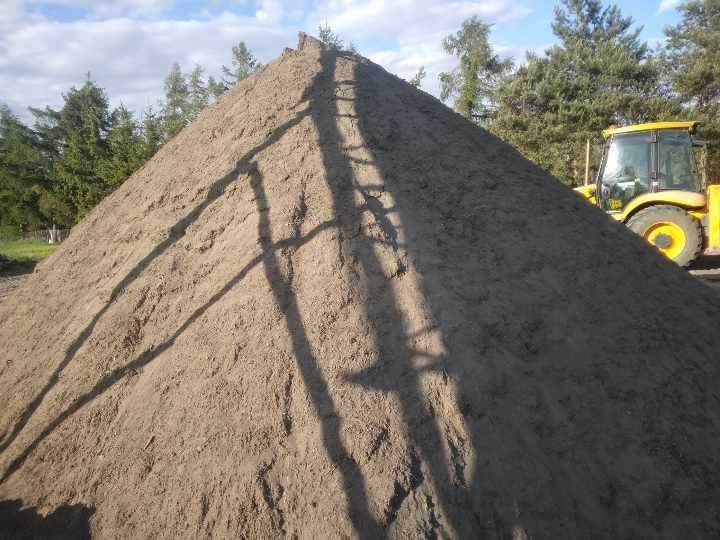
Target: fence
{"x": 42, "y": 235}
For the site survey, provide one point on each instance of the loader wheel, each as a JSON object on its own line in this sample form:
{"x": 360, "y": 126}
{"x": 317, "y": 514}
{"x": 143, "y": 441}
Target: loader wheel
{"x": 670, "y": 229}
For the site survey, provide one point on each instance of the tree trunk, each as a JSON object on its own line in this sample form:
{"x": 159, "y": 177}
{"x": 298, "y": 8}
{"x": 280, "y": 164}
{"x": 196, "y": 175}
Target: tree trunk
{"x": 52, "y": 234}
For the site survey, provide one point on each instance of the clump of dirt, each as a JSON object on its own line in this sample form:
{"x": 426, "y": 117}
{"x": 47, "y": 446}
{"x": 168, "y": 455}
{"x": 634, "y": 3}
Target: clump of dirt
{"x": 331, "y": 307}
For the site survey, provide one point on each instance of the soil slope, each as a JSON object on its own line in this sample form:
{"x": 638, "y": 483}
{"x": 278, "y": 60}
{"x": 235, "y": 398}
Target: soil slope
{"x": 331, "y": 307}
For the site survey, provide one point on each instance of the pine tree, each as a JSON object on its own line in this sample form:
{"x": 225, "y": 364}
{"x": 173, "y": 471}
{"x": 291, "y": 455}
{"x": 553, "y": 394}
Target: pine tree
{"x": 691, "y": 59}
{"x": 599, "y": 74}
{"x": 472, "y": 83}
{"x": 693, "y": 53}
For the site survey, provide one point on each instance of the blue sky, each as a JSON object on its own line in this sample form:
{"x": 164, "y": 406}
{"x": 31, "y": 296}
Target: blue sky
{"x": 128, "y": 46}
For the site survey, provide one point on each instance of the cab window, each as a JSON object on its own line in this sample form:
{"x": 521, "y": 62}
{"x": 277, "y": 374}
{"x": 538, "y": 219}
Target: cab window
{"x": 626, "y": 172}
{"x": 676, "y": 163}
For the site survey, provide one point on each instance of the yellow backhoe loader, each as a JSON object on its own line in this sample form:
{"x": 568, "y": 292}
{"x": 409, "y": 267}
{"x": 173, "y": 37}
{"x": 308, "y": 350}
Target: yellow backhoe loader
{"x": 649, "y": 180}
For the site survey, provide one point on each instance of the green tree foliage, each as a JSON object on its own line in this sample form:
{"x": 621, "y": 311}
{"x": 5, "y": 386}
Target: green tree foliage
{"x": 47, "y": 131}
{"x": 330, "y": 38}
{"x": 472, "y": 84}
{"x": 244, "y": 64}
{"x": 177, "y": 102}
{"x": 60, "y": 169}
{"x": 84, "y": 122}
{"x": 417, "y": 80}
{"x": 22, "y": 175}
{"x": 52, "y": 203}
{"x": 598, "y": 74}
{"x": 216, "y": 88}
{"x": 199, "y": 95}
{"x": 692, "y": 53}
{"x": 126, "y": 149}
{"x": 691, "y": 59}
{"x": 152, "y": 130}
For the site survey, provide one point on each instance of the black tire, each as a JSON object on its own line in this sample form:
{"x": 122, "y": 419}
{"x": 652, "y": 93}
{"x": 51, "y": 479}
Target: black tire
{"x": 645, "y": 219}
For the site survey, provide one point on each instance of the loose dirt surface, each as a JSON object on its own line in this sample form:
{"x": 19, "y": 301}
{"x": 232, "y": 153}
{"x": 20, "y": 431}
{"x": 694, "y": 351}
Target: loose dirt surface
{"x": 9, "y": 284}
{"x": 707, "y": 270}
{"x": 331, "y": 307}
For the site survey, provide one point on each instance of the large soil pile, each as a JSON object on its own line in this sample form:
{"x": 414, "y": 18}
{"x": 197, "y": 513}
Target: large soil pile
{"x": 331, "y": 307}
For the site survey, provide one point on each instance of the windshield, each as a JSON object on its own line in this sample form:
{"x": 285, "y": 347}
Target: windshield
{"x": 676, "y": 163}
{"x": 626, "y": 172}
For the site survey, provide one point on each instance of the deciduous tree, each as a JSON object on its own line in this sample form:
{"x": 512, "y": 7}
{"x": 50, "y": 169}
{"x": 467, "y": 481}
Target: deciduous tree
{"x": 472, "y": 84}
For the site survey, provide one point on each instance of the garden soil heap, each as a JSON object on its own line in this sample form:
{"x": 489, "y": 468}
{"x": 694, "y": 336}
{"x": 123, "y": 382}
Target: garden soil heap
{"x": 331, "y": 307}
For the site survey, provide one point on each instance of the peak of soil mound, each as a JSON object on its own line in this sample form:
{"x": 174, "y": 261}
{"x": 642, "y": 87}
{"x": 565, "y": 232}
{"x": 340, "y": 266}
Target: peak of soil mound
{"x": 331, "y": 307}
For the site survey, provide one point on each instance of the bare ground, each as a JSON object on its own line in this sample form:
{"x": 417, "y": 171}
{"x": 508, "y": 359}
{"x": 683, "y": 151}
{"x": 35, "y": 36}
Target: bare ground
{"x": 333, "y": 308}
{"x": 9, "y": 284}
{"x": 707, "y": 270}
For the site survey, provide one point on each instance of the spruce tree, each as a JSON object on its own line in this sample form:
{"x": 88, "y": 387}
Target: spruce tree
{"x": 199, "y": 95}
{"x": 177, "y": 102}
{"x": 53, "y": 202}
{"x": 126, "y": 152}
{"x": 22, "y": 175}
{"x": 599, "y": 73}
{"x": 84, "y": 122}
{"x": 152, "y": 130}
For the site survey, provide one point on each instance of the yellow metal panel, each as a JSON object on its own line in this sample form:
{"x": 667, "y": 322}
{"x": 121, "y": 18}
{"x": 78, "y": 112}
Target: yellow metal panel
{"x": 689, "y": 125}
{"x": 684, "y": 199}
{"x": 588, "y": 192}
{"x": 713, "y": 198}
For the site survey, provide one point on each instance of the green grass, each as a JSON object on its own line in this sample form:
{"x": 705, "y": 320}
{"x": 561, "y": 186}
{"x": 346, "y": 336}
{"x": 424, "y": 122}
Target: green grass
{"x": 24, "y": 255}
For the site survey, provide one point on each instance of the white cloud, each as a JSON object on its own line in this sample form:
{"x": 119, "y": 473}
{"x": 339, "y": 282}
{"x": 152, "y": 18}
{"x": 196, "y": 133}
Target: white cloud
{"x": 412, "y": 30}
{"x": 130, "y": 55}
{"x": 667, "y": 5}
{"x": 408, "y": 20}
{"x": 129, "y": 58}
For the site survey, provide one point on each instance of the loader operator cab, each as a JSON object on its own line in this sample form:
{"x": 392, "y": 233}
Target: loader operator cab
{"x": 642, "y": 162}
{"x": 649, "y": 180}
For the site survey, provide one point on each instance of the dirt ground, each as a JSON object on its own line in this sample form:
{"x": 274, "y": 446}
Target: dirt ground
{"x": 706, "y": 269}
{"x": 9, "y": 284}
